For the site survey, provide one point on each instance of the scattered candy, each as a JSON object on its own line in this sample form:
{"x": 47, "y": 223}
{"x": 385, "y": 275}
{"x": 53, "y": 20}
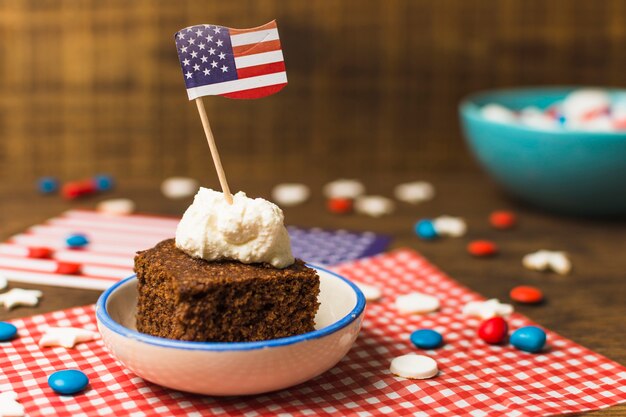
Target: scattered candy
{"x": 9, "y": 407}
{"x": 76, "y": 240}
{"x": 339, "y": 205}
{"x": 116, "y": 206}
{"x": 7, "y": 332}
{"x": 482, "y": 248}
{"x": 67, "y": 268}
{"x": 425, "y": 229}
{"x": 103, "y": 182}
{"x": 414, "y": 192}
{"x": 583, "y": 110}
{"x": 544, "y": 260}
{"x": 40, "y": 252}
{"x": 374, "y": 205}
{"x": 66, "y": 337}
{"x": 68, "y": 381}
{"x": 290, "y": 194}
{"x": 503, "y": 219}
{"x": 344, "y": 188}
{"x": 529, "y": 339}
{"x": 450, "y": 226}
{"x": 179, "y": 187}
{"x": 487, "y": 309}
{"x": 426, "y": 339}
{"x": 526, "y": 294}
{"x": 3, "y": 282}
{"x": 416, "y": 303}
{"x": 370, "y": 292}
{"x": 75, "y": 189}
{"x": 494, "y": 330}
{"x": 20, "y": 297}
{"x": 48, "y": 185}
{"x": 414, "y": 367}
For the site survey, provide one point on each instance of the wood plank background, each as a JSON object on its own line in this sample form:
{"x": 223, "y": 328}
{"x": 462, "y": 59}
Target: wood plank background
{"x": 92, "y": 86}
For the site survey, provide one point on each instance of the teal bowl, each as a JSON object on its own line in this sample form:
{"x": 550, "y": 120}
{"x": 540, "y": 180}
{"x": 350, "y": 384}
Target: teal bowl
{"x": 566, "y": 171}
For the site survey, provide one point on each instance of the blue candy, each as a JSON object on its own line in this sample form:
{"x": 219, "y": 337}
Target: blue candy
{"x": 425, "y": 229}
{"x": 103, "y": 182}
{"x": 67, "y": 382}
{"x": 7, "y": 331}
{"x": 426, "y": 339}
{"x": 76, "y": 240}
{"x": 529, "y": 339}
{"x": 47, "y": 185}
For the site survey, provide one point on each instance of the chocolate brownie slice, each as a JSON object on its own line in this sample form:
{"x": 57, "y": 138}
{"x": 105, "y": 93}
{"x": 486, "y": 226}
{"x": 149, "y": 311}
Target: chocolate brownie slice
{"x": 185, "y": 298}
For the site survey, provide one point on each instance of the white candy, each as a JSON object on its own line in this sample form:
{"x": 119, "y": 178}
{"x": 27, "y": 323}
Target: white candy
{"x": 414, "y": 367}
{"x": 416, "y": 303}
{"x": 370, "y": 292}
{"x": 343, "y": 188}
{"x": 66, "y": 337}
{"x": 534, "y": 117}
{"x": 20, "y": 297}
{"x": 450, "y": 226}
{"x": 9, "y": 407}
{"x": 290, "y": 194}
{"x": 3, "y": 282}
{"x": 116, "y": 206}
{"x": 414, "y": 192}
{"x": 545, "y": 260}
{"x": 581, "y": 103}
{"x": 179, "y": 187}
{"x": 497, "y": 113}
{"x": 374, "y": 205}
{"x": 487, "y": 309}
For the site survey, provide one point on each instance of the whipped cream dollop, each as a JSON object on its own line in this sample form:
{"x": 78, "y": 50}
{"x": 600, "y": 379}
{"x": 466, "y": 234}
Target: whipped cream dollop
{"x": 249, "y": 230}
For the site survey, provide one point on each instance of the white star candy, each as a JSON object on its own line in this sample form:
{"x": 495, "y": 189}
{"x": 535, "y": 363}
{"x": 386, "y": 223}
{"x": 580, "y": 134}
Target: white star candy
{"x": 66, "y": 337}
{"x": 3, "y": 282}
{"x": 370, "y": 292}
{"x": 290, "y": 194}
{"x": 417, "y": 303}
{"x": 450, "y": 226}
{"x": 414, "y": 192}
{"x": 20, "y": 297}
{"x": 487, "y": 309}
{"x": 545, "y": 260}
{"x": 374, "y": 205}
{"x": 343, "y": 188}
{"x": 9, "y": 407}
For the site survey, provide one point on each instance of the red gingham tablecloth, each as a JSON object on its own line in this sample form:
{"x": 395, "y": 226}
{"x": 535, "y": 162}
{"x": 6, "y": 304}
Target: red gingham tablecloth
{"x": 475, "y": 379}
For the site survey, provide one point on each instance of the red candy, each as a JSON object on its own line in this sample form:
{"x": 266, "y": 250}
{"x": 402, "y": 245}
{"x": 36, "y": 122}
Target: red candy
{"x": 39, "y": 252}
{"x": 526, "y": 294}
{"x": 482, "y": 248}
{"x": 67, "y": 268}
{"x": 494, "y": 330}
{"x": 339, "y": 205}
{"x": 75, "y": 189}
{"x": 503, "y": 219}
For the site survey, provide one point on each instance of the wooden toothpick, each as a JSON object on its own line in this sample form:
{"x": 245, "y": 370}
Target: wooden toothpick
{"x": 216, "y": 156}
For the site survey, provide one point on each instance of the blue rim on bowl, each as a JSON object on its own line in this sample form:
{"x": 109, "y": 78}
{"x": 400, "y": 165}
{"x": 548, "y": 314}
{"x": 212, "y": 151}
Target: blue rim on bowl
{"x": 103, "y": 316}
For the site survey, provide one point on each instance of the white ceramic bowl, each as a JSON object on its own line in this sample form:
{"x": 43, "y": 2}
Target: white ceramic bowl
{"x": 233, "y": 368}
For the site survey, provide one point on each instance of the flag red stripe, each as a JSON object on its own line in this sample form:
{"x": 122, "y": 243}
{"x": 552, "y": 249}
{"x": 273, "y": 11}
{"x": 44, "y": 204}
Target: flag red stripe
{"x": 268, "y": 46}
{"x": 260, "y": 70}
{"x": 270, "y": 25}
{"x": 256, "y": 92}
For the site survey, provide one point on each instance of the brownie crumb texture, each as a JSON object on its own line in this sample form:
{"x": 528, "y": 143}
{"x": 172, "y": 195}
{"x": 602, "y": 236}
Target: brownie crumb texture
{"x": 185, "y": 298}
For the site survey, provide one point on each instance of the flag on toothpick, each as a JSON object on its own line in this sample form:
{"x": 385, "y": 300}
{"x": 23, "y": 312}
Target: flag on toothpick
{"x": 234, "y": 63}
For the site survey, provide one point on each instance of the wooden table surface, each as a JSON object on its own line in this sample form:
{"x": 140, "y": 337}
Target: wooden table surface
{"x": 587, "y": 306}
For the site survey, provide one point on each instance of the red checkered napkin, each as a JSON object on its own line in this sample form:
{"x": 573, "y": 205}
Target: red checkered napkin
{"x": 475, "y": 379}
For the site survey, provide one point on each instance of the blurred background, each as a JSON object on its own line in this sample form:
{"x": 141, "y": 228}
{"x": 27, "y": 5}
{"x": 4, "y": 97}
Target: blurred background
{"x": 90, "y": 86}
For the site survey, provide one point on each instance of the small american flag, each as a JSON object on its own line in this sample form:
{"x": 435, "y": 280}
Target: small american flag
{"x": 234, "y": 63}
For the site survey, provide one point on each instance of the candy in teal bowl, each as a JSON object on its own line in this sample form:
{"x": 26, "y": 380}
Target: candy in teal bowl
{"x": 566, "y": 171}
